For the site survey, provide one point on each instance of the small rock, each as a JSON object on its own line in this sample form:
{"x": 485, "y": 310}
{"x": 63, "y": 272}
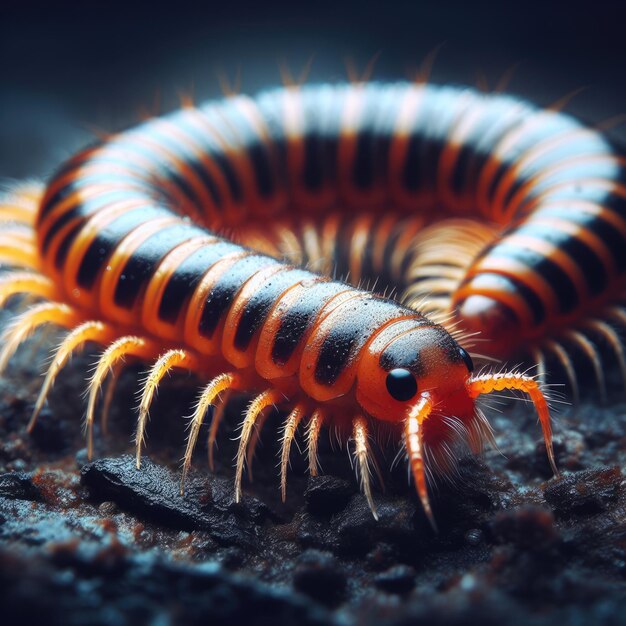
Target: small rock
{"x": 154, "y": 492}
{"x": 319, "y": 576}
{"x": 107, "y": 508}
{"x": 474, "y": 536}
{"x": 398, "y": 579}
{"x": 18, "y": 486}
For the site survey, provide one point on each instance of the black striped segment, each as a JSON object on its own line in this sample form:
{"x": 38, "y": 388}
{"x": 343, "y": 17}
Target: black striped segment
{"x": 222, "y": 293}
{"x": 258, "y": 306}
{"x": 359, "y": 317}
{"x": 185, "y": 278}
{"x": 104, "y": 244}
{"x": 300, "y": 316}
{"x": 140, "y": 267}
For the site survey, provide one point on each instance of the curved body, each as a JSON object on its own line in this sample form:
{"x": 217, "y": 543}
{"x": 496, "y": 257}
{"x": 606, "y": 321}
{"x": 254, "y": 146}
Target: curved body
{"x": 128, "y": 236}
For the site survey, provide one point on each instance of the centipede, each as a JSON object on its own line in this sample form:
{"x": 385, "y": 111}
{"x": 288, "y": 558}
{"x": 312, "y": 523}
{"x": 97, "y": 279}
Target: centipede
{"x": 331, "y": 250}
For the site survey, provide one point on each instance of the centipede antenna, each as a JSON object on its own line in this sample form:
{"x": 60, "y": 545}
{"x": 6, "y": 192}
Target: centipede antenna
{"x": 487, "y": 383}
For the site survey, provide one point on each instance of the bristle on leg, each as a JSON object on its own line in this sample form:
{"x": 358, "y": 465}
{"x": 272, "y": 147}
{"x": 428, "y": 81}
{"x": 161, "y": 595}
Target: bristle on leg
{"x": 259, "y": 404}
{"x": 488, "y": 383}
{"x": 413, "y": 440}
{"x": 74, "y": 341}
{"x": 129, "y": 345}
{"x": 28, "y": 283}
{"x": 291, "y": 425}
{"x": 362, "y": 455}
{"x": 25, "y": 325}
{"x": 165, "y": 363}
{"x": 221, "y": 384}
{"x": 312, "y": 436}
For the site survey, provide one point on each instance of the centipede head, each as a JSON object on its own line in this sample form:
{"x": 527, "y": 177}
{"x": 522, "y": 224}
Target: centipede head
{"x": 419, "y": 378}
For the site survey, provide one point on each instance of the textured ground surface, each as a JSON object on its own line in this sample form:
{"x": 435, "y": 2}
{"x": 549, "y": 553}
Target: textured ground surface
{"x": 103, "y": 543}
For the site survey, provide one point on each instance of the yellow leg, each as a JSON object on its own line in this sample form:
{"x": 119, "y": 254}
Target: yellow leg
{"x": 499, "y": 382}
{"x": 291, "y": 425}
{"x": 221, "y": 384}
{"x": 166, "y": 362}
{"x": 21, "y": 254}
{"x": 114, "y": 373}
{"x": 76, "y": 339}
{"x": 255, "y": 439}
{"x": 259, "y": 404}
{"x": 218, "y": 414}
{"x": 14, "y": 283}
{"x": 362, "y": 454}
{"x": 312, "y": 436}
{"x": 32, "y": 319}
{"x": 128, "y": 345}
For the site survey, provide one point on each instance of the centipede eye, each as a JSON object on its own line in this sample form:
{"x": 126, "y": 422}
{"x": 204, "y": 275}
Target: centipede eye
{"x": 401, "y": 384}
{"x": 467, "y": 359}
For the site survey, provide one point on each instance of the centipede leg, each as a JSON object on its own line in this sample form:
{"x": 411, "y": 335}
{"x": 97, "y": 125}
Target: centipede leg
{"x": 611, "y": 337}
{"x": 109, "y": 392}
{"x": 291, "y": 425}
{"x": 221, "y": 384}
{"x": 16, "y": 283}
{"x": 566, "y": 362}
{"x": 414, "y": 443}
{"x": 20, "y": 254}
{"x": 255, "y": 439}
{"x": 129, "y": 345}
{"x": 32, "y": 319}
{"x": 591, "y": 353}
{"x": 75, "y": 340}
{"x": 165, "y": 363}
{"x": 259, "y": 404}
{"x": 312, "y": 436}
{"x": 362, "y": 455}
{"x": 218, "y": 415}
{"x": 499, "y": 382}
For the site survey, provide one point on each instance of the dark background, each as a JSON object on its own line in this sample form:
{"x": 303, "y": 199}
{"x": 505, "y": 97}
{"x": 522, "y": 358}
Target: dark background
{"x": 69, "y": 67}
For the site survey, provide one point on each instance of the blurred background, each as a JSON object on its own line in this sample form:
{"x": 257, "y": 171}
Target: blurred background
{"x": 67, "y": 68}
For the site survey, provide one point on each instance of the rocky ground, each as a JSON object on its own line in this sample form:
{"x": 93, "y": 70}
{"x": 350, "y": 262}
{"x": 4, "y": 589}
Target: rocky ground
{"x": 103, "y": 543}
